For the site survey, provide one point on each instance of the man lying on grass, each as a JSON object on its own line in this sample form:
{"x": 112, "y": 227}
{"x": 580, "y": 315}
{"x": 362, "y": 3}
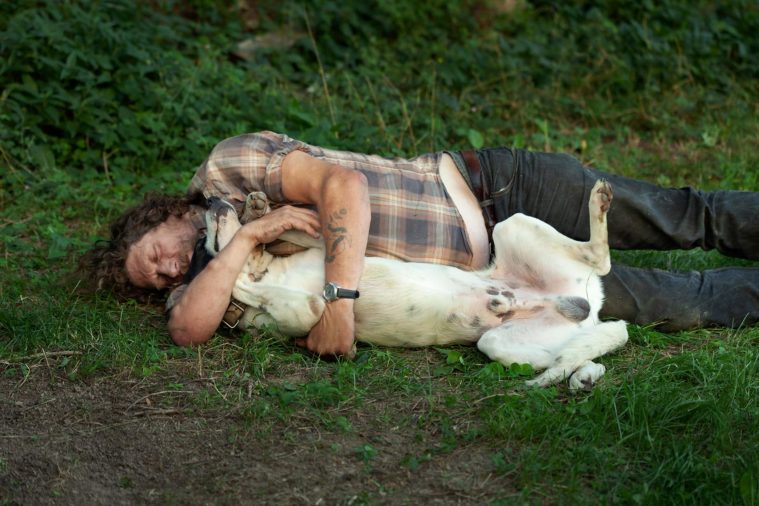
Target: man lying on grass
{"x": 440, "y": 208}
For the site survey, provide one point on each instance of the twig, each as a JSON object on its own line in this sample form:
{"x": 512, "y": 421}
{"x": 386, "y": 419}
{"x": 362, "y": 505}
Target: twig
{"x": 6, "y": 221}
{"x": 27, "y": 408}
{"x": 489, "y": 397}
{"x": 155, "y": 393}
{"x": 75, "y": 287}
{"x": 167, "y": 411}
{"x": 10, "y": 162}
{"x": 47, "y": 354}
{"x": 105, "y": 166}
{"x": 64, "y": 434}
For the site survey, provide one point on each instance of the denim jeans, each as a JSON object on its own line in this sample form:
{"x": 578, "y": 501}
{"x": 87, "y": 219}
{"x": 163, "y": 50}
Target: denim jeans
{"x": 556, "y": 188}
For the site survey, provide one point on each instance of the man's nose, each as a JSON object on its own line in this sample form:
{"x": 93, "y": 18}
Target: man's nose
{"x": 170, "y": 268}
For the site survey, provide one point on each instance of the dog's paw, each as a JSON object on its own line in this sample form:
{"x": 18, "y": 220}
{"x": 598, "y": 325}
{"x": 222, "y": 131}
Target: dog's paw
{"x": 549, "y": 377}
{"x": 601, "y": 196}
{"x": 586, "y": 376}
{"x": 256, "y": 205}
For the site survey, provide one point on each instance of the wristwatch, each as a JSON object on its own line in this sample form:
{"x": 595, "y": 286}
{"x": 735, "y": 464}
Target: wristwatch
{"x": 332, "y": 292}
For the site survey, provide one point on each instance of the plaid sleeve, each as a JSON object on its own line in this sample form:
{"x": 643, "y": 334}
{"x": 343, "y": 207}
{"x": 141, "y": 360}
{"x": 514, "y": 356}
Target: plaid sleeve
{"x": 246, "y": 163}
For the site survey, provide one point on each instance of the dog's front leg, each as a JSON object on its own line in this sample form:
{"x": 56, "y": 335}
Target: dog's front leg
{"x": 294, "y": 311}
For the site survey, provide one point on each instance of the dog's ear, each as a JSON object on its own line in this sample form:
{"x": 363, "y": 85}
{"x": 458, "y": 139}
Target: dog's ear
{"x": 200, "y": 258}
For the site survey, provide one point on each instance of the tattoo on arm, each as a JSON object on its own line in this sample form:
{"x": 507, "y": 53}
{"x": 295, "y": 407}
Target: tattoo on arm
{"x": 338, "y": 239}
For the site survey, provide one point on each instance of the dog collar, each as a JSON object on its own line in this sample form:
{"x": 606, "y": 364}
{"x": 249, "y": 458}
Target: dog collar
{"x": 234, "y": 313}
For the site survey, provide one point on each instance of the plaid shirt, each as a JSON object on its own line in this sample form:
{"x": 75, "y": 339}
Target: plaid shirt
{"x": 413, "y": 217}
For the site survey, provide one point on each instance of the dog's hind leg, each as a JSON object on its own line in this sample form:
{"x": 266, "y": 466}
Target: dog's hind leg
{"x": 513, "y": 343}
{"x": 221, "y": 224}
{"x": 517, "y": 239}
{"x": 596, "y": 251}
{"x": 587, "y": 344}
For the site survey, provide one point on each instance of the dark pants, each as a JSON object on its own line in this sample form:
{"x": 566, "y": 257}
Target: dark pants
{"x": 556, "y": 188}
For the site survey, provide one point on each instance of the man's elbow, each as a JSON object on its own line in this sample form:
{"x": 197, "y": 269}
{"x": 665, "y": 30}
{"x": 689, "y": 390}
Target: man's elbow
{"x": 181, "y": 337}
{"x": 347, "y": 181}
{"x": 185, "y": 335}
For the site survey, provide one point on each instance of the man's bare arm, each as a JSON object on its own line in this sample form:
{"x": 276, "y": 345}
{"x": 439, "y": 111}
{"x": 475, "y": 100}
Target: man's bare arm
{"x": 342, "y": 199}
{"x": 198, "y": 313}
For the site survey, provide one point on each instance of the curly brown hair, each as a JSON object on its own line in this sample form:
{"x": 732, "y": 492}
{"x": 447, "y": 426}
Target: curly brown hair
{"x": 105, "y": 261}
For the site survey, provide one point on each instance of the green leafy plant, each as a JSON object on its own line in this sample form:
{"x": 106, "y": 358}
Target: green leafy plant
{"x": 104, "y": 100}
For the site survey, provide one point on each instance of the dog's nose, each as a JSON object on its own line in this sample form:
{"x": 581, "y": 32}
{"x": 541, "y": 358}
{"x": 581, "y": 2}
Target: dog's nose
{"x": 218, "y": 206}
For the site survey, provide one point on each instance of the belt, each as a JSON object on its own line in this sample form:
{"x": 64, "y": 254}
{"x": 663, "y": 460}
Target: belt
{"x": 481, "y": 189}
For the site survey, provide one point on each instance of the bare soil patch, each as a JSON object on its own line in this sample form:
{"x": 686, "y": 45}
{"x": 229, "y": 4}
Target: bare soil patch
{"x": 119, "y": 440}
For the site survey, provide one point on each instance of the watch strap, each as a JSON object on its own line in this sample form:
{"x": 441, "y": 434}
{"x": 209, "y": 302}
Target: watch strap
{"x": 344, "y": 293}
{"x": 333, "y": 291}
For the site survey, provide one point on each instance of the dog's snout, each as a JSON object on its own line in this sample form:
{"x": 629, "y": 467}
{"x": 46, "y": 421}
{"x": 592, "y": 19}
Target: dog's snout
{"x": 218, "y": 206}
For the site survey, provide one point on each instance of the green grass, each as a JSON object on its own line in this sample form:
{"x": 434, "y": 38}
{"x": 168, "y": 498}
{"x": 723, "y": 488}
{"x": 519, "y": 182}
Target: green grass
{"x": 666, "y": 93}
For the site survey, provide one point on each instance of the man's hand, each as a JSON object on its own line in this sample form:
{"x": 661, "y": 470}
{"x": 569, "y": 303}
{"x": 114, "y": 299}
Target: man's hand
{"x": 334, "y": 333}
{"x": 269, "y": 227}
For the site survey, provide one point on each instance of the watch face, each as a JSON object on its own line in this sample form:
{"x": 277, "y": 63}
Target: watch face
{"x": 330, "y": 291}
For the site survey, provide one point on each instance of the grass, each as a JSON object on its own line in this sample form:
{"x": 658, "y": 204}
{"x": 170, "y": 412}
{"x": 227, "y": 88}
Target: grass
{"x": 675, "y": 419}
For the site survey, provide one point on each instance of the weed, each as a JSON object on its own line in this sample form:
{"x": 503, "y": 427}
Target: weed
{"x": 103, "y": 101}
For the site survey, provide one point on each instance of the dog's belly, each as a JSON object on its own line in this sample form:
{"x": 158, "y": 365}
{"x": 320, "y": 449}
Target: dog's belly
{"x": 413, "y": 304}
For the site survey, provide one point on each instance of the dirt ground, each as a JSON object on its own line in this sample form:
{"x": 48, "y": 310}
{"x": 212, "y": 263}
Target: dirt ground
{"x": 112, "y": 440}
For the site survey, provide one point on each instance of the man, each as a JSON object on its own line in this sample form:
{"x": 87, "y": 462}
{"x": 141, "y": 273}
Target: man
{"x": 436, "y": 208}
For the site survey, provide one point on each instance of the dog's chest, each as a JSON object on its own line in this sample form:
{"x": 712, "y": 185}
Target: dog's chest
{"x": 303, "y": 270}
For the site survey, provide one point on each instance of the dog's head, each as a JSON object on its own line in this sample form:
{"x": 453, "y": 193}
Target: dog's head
{"x": 221, "y": 224}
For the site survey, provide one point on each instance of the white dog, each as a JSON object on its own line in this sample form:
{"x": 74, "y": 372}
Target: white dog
{"x": 537, "y": 303}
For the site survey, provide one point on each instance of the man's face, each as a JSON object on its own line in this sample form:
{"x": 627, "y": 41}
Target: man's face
{"x": 162, "y": 256}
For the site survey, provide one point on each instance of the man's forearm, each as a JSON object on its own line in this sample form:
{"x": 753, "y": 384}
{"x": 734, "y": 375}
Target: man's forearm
{"x": 345, "y": 217}
{"x": 198, "y": 313}
{"x": 345, "y": 214}
{"x": 342, "y": 197}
